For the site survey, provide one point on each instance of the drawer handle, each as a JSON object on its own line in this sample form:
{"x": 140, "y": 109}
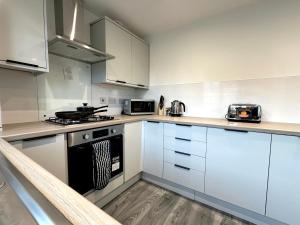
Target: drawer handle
{"x": 152, "y": 121}
{"x": 182, "y": 139}
{"x": 240, "y": 131}
{"x": 182, "y": 167}
{"x": 182, "y": 153}
{"x": 120, "y": 81}
{"x": 21, "y": 63}
{"x": 183, "y": 125}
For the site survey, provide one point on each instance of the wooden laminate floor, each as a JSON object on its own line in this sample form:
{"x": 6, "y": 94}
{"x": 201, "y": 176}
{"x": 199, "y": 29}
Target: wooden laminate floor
{"x": 147, "y": 204}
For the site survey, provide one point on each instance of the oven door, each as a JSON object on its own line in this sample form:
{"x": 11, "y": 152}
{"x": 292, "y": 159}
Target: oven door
{"x": 80, "y": 163}
{"x": 142, "y": 107}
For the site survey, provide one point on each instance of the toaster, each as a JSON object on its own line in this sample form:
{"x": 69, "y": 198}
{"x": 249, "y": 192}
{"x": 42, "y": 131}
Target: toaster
{"x": 244, "y": 113}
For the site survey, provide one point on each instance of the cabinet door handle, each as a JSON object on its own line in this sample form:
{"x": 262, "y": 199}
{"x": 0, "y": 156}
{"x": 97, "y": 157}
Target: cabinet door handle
{"x": 182, "y": 153}
{"x": 152, "y": 121}
{"x": 120, "y": 81}
{"x": 21, "y": 63}
{"x": 38, "y": 138}
{"x": 141, "y": 85}
{"x": 183, "y": 125}
{"x": 239, "y": 131}
{"x": 181, "y": 167}
{"x": 182, "y": 139}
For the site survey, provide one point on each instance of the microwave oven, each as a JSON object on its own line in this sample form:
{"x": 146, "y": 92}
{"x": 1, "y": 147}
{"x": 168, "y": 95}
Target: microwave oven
{"x": 139, "y": 107}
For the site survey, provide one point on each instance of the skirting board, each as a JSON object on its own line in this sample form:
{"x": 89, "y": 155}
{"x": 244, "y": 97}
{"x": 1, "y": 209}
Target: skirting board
{"x": 212, "y": 202}
{"x": 109, "y": 197}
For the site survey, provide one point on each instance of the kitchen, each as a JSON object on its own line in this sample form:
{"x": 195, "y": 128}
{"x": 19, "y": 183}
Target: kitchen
{"x": 170, "y": 162}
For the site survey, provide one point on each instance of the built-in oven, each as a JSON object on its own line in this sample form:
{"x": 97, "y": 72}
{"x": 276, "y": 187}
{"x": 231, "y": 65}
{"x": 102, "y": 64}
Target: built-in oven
{"x": 80, "y": 155}
{"x": 139, "y": 107}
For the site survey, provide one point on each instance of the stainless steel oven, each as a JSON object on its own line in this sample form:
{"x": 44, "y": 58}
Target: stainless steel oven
{"x": 139, "y": 107}
{"x": 80, "y": 155}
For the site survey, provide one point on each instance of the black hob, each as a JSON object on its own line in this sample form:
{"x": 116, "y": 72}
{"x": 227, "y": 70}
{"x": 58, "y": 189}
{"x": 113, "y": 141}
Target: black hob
{"x": 90, "y": 119}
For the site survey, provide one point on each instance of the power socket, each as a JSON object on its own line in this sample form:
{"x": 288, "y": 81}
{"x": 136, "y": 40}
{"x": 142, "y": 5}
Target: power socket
{"x": 103, "y": 100}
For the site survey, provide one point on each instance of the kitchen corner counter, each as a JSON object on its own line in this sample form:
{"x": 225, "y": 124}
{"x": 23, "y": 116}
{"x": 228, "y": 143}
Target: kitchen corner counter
{"x": 75, "y": 207}
{"x": 264, "y": 127}
{"x": 12, "y": 132}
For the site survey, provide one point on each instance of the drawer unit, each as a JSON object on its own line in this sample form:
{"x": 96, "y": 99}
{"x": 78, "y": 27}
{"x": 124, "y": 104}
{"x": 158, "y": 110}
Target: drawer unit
{"x": 187, "y": 177}
{"x": 184, "y": 159}
{"x": 185, "y": 145}
{"x": 185, "y": 131}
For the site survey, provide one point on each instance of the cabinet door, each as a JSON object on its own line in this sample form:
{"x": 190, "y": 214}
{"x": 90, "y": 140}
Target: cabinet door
{"x": 283, "y": 201}
{"x": 23, "y": 35}
{"x": 48, "y": 152}
{"x": 140, "y": 62}
{"x": 133, "y": 149}
{"x": 153, "y": 148}
{"x": 118, "y": 43}
{"x": 237, "y": 167}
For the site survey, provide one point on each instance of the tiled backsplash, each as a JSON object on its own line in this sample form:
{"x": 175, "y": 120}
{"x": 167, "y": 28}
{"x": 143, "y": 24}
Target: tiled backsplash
{"x": 26, "y": 97}
{"x": 279, "y": 97}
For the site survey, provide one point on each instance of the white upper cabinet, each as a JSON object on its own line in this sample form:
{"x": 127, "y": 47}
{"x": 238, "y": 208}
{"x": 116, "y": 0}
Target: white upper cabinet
{"x": 283, "y": 202}
{"x": 153, "y": 148}
{"x": 130, "y": 67}
{"x": 23, "y": 43}
{"x": 118, "y": 44}
{"x": 237, "y": 167}
{"x": 140, "y": 62}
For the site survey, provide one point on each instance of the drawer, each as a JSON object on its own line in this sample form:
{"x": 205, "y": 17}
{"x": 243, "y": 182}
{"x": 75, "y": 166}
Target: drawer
{"x": 187, "y": 146}
{"x": 184, "y": 159}
{"x": 185, "y": 131}
{"x": 189, "y": 178}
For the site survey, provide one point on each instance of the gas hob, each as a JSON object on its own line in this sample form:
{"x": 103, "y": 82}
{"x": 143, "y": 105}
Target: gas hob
{"x": 89, "y": 119}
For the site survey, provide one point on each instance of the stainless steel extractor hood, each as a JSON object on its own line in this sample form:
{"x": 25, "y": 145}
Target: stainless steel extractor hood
{"x": 67, "y": 44}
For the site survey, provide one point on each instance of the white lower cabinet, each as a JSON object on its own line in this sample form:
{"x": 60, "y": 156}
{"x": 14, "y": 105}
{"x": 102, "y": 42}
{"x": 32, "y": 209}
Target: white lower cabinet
{"x": 185, "y": 176}
{"x": 133, "y": 149}
{"x": 283, "y": 202}
{"x": 237, "y": 167}
{"x": 153, "y": 148}
{"x": 49, "y": 152}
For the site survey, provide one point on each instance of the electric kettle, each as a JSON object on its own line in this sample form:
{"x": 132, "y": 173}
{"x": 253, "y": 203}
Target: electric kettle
{"x": 177, "y": 108}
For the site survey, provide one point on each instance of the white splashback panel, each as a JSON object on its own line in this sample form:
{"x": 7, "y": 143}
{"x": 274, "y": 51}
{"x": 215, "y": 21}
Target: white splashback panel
{"x": 279, "y": 97}
{"x": 66, "y": 86}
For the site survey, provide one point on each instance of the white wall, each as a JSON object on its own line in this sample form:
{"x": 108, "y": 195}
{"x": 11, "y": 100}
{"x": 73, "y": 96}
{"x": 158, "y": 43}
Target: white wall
{"x": 18, "y": 96}
{"x": 249, "y": 55}
{"x": 278, "y": 97}
{"x": 258, "y": 41}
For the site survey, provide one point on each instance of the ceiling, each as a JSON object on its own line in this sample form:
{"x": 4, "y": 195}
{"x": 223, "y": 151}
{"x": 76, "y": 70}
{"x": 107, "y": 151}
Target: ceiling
{"x": 147, "y": 17}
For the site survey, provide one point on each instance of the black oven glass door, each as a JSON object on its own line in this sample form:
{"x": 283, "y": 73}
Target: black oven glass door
{"x": 80, "y": 163}
{"x": 142, "y": 107}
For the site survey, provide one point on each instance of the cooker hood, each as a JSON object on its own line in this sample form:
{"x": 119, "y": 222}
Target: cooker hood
{"x": 69, "y": 14}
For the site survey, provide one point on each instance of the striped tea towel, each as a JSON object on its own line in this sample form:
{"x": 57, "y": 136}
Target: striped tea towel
{"x": 101, "y": 164}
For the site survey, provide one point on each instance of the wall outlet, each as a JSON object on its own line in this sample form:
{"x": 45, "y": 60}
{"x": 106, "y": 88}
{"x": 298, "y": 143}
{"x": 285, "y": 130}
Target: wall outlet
{"x": 103, "y": 100}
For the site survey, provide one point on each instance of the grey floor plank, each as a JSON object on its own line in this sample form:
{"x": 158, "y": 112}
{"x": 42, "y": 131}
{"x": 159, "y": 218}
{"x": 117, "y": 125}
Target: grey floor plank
{"x": 148, "y": 204}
